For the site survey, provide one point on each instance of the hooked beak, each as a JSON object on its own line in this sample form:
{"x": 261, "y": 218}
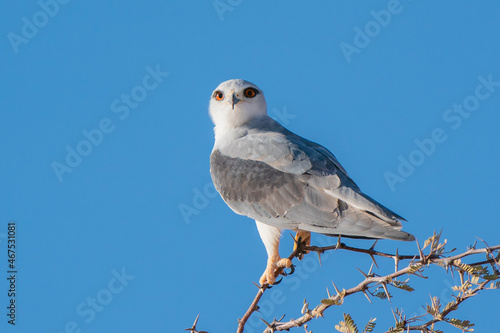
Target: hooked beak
{"x": 234, "y": 100}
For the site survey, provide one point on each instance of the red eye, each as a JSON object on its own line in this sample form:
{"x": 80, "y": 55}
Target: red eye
{"x": 219, "y": 95}
{"x": 250, "y": 92}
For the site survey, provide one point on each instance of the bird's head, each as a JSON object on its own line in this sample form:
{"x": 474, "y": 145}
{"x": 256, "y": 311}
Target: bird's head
{"x": 235, "y": 102}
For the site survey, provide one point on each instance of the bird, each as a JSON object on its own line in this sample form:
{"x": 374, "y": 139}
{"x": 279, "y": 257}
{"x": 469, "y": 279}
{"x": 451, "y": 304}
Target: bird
{"x": 284, "y": 181}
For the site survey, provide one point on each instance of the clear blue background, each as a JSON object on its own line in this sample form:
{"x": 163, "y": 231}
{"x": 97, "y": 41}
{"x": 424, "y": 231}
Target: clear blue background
{"x": 120, "y": 208}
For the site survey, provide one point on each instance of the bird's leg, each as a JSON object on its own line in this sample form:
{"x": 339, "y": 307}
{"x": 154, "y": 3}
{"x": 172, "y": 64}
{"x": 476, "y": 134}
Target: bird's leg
{"x": 303, "y": 237}
{"x": 271, "y": 238}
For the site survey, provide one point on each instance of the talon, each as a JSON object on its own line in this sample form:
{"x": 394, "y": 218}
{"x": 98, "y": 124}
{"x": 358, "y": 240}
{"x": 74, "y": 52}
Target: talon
{"x": 292, "y": 269}
{"x": 278, "y": 282}
{"x": 275, "y": 266}
{"x": 302, "y": 238}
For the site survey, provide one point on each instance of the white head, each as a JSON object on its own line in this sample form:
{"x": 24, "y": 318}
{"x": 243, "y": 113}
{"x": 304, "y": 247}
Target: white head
{"x": 235, "y": 102}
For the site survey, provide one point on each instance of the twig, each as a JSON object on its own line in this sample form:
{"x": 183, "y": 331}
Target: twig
{"x": 254, "y": 306}
{"x": 434, "y": 258}
{"x": 445, "y": 312}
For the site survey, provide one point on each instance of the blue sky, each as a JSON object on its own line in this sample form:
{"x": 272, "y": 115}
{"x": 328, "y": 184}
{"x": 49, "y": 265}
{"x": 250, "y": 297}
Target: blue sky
{"x": 105, "y": 141}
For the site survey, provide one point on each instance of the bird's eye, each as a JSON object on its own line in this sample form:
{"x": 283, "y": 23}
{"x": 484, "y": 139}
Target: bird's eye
{"x": 250, "y": 92}
{"x": 219, "y": 95}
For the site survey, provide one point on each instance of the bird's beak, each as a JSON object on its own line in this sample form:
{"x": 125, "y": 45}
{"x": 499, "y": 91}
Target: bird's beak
{"x": 234, "y": 100}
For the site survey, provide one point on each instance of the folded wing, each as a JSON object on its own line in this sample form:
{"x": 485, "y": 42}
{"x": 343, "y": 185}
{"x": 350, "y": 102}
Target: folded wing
{"x": 279, "y": 178}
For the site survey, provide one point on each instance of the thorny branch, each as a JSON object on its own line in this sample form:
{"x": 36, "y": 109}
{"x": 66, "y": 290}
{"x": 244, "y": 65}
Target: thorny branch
{"x": 474, "y": 277}
{"x": 452, "y": 307}
{"x": 436, "y": 255}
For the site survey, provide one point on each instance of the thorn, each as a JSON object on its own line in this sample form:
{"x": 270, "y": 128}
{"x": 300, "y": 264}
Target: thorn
{"x": 366, "y": 294}
{"x": 394, "y": 315}
{"x": 262, "y": 288}
{"x": 386, "y": 291}
{"x": 192, "y": 329}
{"x": 319, "y": 258}
{"x": 196, "y": 320}
{"x": 328, "y": 292}
{"x": 416, "y": 241}
{"x": 267, "y": 324}
{"x": 482, "y": 241}
{"x": 339, "y": 244}
{"x": 487, "y": 250}
{"x": 373, "y": 258}
{"x": 370, "y": 272}
{"x": 373, "y": 246}
{"x": 336, "y": 290}
{"x": 396, "y": 261}
{"x": 420, "y": 252}
{"x": 366, "y": 276}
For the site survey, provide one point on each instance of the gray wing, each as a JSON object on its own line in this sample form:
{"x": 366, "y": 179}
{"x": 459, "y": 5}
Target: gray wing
{"x": 279, "y": 178}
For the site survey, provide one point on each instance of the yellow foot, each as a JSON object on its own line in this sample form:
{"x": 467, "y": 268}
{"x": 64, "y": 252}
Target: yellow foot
{"x": 303, "y": 237}
{"x": 274, "y": 267}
